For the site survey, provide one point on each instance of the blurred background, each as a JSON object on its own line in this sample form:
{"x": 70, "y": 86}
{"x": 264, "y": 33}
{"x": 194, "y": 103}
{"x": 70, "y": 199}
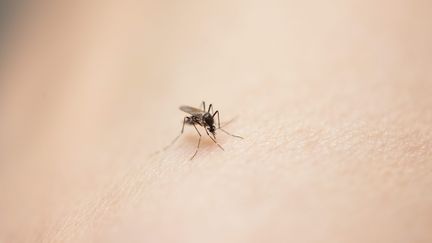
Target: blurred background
{"x": 334, "y": 99}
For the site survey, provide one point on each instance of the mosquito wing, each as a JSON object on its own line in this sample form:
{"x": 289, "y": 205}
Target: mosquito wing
{"x": 191, "y": 110}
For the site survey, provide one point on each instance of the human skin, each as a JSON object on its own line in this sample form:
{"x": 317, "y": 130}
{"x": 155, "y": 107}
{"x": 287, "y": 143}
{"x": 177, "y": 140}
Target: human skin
{"x": 333, "y": 99}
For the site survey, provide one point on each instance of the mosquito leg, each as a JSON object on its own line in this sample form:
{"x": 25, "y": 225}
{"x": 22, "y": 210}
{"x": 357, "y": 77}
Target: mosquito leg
{"x": 217, "y": 112}
{"x": 232, "y": 135}
{"x": 175, "y": 139}
{"x": 228, "y": 122}
{"x": 214, "y": 140}
{"x": 199, "y": 141}
{"x": 203, "y": 104}
{"x": 210, "y": 107}
{"x": 219, "y": 127}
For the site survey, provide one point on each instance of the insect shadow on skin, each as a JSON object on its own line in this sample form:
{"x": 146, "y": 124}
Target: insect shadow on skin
{"x": 204, "y": 118}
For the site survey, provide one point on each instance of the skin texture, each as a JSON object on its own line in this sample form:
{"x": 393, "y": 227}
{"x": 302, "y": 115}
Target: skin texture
{"x": 333, "y": 99}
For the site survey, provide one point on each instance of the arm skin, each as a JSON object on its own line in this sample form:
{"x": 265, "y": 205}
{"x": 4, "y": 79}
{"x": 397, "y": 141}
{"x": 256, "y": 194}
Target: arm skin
{"x": 333, "y": 100}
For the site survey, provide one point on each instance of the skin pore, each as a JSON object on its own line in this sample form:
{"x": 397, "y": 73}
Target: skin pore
{"x": 333, "y": 100}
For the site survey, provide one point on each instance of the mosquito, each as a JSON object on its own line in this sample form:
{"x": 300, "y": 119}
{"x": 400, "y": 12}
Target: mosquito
{"x": 203, "y": 118}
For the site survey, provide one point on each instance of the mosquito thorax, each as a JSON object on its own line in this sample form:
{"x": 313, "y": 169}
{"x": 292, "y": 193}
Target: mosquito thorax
{"x": 208, "y": 119}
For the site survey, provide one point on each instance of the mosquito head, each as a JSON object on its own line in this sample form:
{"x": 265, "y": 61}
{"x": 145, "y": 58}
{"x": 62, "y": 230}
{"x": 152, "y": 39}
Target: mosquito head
{"x": 212, "y": 130}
